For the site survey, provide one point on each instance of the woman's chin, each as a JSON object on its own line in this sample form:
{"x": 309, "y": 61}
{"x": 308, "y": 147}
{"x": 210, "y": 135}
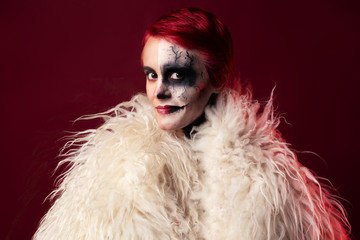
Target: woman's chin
{"x": 169, "y": 127}
{"x": 171, "y": 122}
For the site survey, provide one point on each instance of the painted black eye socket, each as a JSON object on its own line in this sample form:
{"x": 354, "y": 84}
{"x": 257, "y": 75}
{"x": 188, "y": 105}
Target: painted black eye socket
{"x": 178, "y": 74}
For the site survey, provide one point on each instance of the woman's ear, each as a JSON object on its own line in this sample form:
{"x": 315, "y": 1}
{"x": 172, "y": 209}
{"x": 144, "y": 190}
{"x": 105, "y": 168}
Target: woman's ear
{"x": 217, "y": 90}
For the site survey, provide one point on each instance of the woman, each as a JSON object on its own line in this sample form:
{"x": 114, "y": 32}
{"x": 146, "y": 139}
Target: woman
{"x": 192, "y": 160}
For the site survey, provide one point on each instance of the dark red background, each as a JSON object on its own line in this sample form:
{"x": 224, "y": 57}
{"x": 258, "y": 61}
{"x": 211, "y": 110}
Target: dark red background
{"x": 63, "y": 59}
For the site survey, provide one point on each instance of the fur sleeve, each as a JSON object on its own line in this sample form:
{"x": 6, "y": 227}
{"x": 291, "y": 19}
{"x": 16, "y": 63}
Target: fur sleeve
{"x": 256, "y": 187}
{"x": 114, "y": 189}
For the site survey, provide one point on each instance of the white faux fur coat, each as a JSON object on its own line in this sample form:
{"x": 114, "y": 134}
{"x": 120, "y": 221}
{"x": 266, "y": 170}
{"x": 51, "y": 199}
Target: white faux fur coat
{"x": 234, "y": 179}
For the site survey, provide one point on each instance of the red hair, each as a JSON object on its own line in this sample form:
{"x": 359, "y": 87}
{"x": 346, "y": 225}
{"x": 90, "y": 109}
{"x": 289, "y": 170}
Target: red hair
{"x": 196, "y": 29}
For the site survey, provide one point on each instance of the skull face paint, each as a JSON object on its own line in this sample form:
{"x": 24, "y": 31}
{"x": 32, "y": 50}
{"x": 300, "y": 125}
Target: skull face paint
{"x": 177, "y": 83}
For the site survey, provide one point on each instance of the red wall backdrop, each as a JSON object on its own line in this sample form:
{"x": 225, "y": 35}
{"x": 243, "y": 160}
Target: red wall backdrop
{"x": 63, "y": 59}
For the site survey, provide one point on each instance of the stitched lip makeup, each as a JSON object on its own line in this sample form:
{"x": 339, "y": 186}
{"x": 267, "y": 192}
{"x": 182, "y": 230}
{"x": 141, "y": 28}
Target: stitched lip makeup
{"x": 167, "y": 109}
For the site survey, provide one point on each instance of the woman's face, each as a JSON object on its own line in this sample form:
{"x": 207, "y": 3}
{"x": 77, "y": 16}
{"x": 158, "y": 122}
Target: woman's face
{"x": 177, "y": 83}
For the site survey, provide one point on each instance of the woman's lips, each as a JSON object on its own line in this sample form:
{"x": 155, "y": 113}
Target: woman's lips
{"x": 167, "y": 109}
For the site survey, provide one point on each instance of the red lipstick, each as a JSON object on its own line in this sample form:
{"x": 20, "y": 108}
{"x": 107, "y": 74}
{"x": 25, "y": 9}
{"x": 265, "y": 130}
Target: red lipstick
{"x": 167, "y": 109}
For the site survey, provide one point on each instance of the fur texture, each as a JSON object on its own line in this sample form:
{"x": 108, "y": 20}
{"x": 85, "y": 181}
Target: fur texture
{"x": 234, "y": 179}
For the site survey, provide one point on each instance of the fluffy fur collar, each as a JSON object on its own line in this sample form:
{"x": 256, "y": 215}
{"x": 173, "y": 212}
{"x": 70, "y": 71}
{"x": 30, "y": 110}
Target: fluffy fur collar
{"x": 234, "y": 179}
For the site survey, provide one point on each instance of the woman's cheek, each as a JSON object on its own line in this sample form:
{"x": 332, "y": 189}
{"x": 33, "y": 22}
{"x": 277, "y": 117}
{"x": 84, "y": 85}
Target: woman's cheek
{"x": 179, "y": 92}
{"x": 190, "y": 94}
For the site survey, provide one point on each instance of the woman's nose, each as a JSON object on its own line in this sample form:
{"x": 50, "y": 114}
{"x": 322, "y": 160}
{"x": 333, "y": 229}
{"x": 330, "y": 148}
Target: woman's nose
{"x": 162, "y": 91}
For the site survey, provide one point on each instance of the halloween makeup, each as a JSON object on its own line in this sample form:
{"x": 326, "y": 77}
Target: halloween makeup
{"x": 177, "y": 83}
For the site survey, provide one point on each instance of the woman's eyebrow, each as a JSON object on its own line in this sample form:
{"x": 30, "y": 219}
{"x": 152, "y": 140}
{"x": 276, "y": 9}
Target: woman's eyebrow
{"x": 175, "y": 67}
{"x": 146, "y": 68}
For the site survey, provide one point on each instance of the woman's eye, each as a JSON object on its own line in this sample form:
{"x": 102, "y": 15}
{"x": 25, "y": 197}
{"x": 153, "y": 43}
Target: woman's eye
{"x": 151, "y": 75}
{"x": 177, "y": 76}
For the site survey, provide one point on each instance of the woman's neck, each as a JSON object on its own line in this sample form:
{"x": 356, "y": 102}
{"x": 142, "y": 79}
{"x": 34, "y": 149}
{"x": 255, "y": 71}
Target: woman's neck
{"x": 187, "y": 130}
{"x": 200, "y": 120}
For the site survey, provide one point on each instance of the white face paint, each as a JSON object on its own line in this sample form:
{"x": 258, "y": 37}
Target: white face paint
{"x": 177, "y": 83}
